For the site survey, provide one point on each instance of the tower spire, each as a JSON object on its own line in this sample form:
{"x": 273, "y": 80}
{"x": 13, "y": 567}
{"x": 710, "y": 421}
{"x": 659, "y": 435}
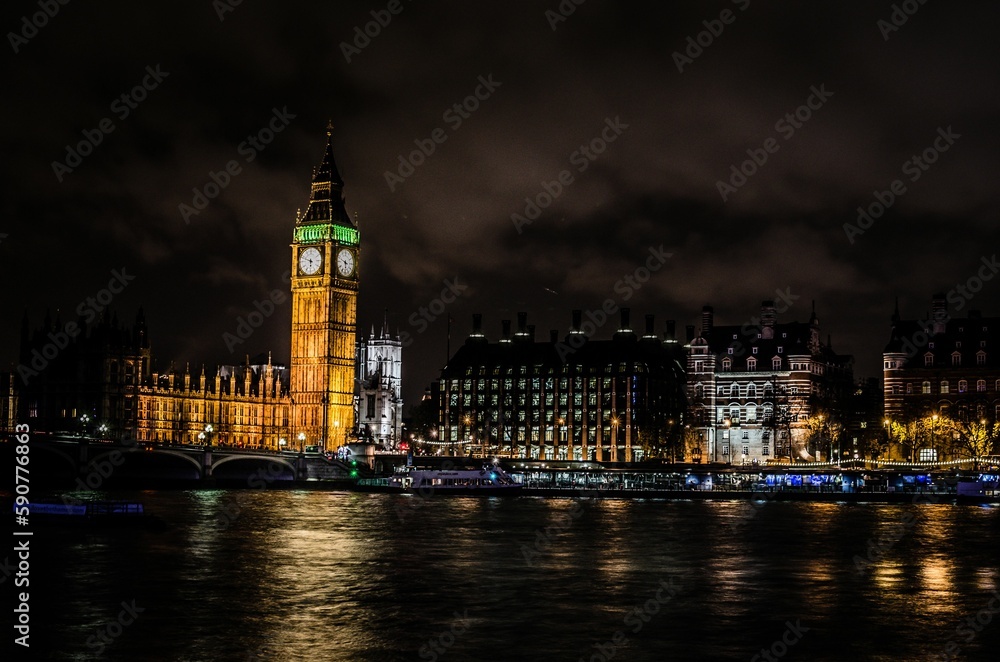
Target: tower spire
{"x": 326, "y": 199}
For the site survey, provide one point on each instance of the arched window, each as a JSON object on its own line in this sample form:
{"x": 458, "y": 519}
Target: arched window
{"x": 752, "y": 392}
{"x": 925, "y": 388}
{"x": 944, "y": 386}
{"x": 734, "y": 391}
{"x": 963, "y": 386}
{"x": 776, "y": 363}
{"x": 751, "y": 364}
{"x": 928, "y": 359}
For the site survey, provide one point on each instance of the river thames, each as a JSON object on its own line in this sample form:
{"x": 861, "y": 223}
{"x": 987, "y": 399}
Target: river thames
{"x": 305, "y": 575}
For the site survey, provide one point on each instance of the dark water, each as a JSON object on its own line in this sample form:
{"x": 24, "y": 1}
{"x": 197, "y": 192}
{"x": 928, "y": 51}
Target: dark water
{"x": 339, "y": 576}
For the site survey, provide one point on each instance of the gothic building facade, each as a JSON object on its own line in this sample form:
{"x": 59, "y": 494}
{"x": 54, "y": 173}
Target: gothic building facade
{"x": 759, "y": 391}
{"x": 100, "y": 380}
{"x": 380, "y": 401}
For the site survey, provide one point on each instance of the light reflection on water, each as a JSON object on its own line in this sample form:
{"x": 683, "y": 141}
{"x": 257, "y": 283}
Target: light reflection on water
{"x": 335, "y": 576}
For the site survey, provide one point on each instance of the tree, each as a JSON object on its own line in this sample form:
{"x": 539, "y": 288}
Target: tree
{"x": 971, "y": 438}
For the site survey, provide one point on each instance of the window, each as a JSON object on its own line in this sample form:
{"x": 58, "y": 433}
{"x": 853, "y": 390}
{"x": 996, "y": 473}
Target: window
{"x": 727, "y": 364}
{"x": 751, "y": 364}
{"x": 725, "y": 450}
{"x": 754, "y": 350}
{"x": 909, "y": 389}
{"x": 765, "y": 451}
{"x": 776, "y": 363}
{"x": 956, "y": 359}
{"x": 746, "y": 450}
{"x": 963, "y": 386}
{"x": 925, "y": 388}
{"x": 981, "y": 358}
{"x": 746, "y": 435}
{"x": 944, "y": 386}
{"x": 958, "y": 344}
{"x": 730, "y": 350}
{"x": 981, "y": 385}
{"x": 928, "y": 359}
{"x": 781, "y": 349}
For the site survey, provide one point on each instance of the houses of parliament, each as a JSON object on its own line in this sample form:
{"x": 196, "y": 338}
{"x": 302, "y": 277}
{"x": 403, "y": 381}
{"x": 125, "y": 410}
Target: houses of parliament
{"x": 104, "y": 382}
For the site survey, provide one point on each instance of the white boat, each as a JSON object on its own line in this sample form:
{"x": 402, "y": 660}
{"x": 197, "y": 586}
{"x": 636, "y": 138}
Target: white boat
{"x": 489, "y": 480}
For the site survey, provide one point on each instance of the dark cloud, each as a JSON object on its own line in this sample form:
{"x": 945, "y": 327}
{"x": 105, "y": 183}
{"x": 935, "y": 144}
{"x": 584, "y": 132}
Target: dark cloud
{"x": 655, "y": 184}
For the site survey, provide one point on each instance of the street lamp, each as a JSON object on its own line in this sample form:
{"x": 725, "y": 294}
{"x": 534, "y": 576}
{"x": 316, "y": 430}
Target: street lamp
{"x": 302, "y": 441}
{"x": 207, "y": 435}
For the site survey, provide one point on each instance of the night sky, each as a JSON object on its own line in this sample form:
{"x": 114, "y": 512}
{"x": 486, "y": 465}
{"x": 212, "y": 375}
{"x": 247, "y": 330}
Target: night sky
{"x": 885, "y": 96}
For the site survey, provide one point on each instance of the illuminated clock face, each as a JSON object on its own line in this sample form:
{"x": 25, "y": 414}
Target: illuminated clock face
{"x": 310, "y": 260}
{"x": 345, "y": 262}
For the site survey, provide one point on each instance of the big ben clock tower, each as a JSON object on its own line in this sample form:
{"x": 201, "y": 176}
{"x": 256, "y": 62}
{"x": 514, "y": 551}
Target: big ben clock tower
{"x": 324, "y": 312}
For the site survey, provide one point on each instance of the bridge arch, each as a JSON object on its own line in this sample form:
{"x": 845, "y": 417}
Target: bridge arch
{"x": 256, "y": 458}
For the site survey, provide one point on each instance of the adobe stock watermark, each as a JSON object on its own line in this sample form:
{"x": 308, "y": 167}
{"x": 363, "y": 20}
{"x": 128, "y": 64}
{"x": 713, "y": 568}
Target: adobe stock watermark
{"x": 421, "y": 319}
{"x": 439, "y": 645}
{"x": 90, "y": 310}
{"x": 381, "y": 18}
{"x": 877, "y": 548}
{"x": 259, "y": 480}
{"x": 786, "y": 127}
{"x": 713, "y": 30}
{"x": 121, "y": 107}
{"x": 223, "y": 7}
{"x": 900, "y": 14}
{"x": 777, "y": 650}
{"x": 454, "y": 116}
{"x": 970, "y": 628}
{"x": 263, "y": 309}
{"x": 914, "y": 168}
{"x": 31, "y": 25}
{"x": 626, "y": 286}
{"x": 249, "y": 149}
{"x": 635, "y": 620}
{"x": 582, "y": 157}
{"x": 545, "y": 536}
{"x": 107, "y": 633}
{"x": 565, "y": 9}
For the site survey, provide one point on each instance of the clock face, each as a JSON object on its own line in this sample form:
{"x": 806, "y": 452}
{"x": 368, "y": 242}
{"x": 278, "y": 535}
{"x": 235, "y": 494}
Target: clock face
{"x": 310, "y": 260}
{"x": 345, "y": 262}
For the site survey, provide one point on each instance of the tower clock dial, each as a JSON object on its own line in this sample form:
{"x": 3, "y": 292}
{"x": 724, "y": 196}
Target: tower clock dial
{"x": 345, "y": 262}
{"x": 310, "y": 260}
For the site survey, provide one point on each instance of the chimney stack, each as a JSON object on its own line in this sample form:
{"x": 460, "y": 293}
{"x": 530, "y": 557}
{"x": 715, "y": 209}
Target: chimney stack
{"x": 577, "y": 320}
{"x": 650, "y": 325}
{"x": 531, "y": 332}
{"x": 477, "y": 324}
{"x": 522, "y": 320}
{"x": 689, "y": 329}
{"x": 505, "y": 325}
{"x": 672, "y": 330}
{"x": 767, "y": 318}
{"x": 553, "y": 336}
{"x": 624, "y": 318}
{"x": 706, "y": 321}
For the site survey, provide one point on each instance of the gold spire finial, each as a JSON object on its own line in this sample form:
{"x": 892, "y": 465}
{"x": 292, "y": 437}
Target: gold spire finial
{"x": 329, "y": 128}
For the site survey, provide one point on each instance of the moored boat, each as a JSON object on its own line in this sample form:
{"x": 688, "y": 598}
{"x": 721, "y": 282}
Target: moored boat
{"x": 490, "y": 480}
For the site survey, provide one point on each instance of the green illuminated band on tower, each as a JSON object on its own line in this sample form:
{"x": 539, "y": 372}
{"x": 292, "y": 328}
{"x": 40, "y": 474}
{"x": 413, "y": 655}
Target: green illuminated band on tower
{"x": 311, "y": 234}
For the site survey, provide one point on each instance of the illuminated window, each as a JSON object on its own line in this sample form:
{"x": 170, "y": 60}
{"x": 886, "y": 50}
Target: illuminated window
{"x": 751, "y": 364}
{"x": 944, "y": 386}
{"x": 746, "y": 450}
{"x": 981, "y": 385}
{"x": 776, "y": 363}
{"x": 925, "y": 388}
{"x": 963, "y": 386}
